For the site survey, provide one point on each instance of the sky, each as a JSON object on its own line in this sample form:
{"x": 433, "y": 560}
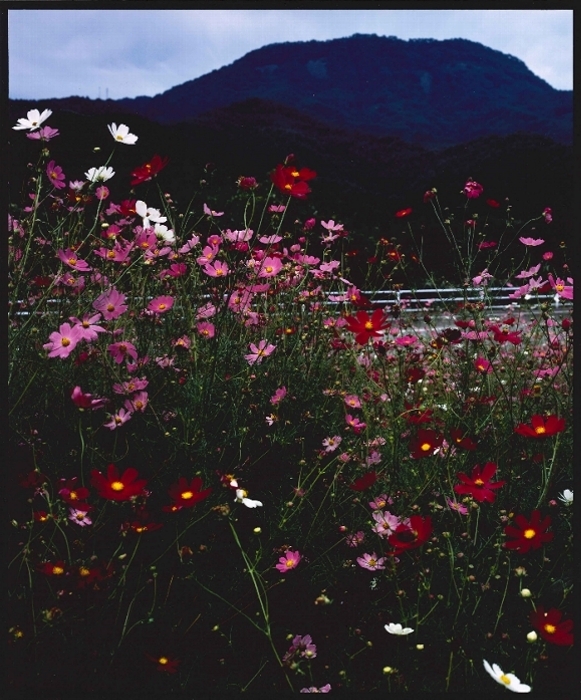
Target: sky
{"x": 125, "y": 53}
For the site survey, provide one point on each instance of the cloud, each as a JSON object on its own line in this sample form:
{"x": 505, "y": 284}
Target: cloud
{"x": 58, "y": 53}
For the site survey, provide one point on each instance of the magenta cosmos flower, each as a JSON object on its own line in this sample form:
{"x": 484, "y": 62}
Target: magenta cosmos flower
{"x": 63, "y": 341}
{"x": 122, "y": 350}
{"x": 160, "y": 305}
{"x": 55, "y": 175}
{"x": 288, "y": 562}
{"x": 115, "y": 487}
{"x": 258, "y": 352}
{"x": 111, "y": 304}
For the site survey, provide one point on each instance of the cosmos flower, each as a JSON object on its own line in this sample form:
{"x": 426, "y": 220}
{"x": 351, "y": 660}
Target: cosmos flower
{"x": 289, "y": 561}
{"x": 122, "y": 134}
{"x": 550, "y": 626}
{"x": 529, "y": 534}
{"x": 509, "y": 680}
{"x": 480, "y": 486}
{"x": 115, "y": 487}
{"x": 33, "y": 120}
{"x": 396, "y": 628}
{"x": 371, "y": 562}
{"x": 541, "y": 427}
{"x": 241, "y": 497}
{"x": 101, "y": 174}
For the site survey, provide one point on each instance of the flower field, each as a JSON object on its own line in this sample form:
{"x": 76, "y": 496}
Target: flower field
{"x": 230, "y": 470}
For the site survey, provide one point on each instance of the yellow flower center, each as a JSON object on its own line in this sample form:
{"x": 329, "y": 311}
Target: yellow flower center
{"x": 559, "y": 287}
{"x": 110, "y": 307}
{"x": 289, "y": 563}
{"x": 186, "y": 495}
{"x": 111, "y": 254}
{"x": 479, "y": 482}
{"x": 219, "y": 272}
{"x": 540, "y": 429}
{"x": 73, "y": 495}
{"x": 268, "y": 268}
{"x": 83, "y": 571}
{"x": 163, "y": 660}
{"x": 372, "y": 562}
{"x": 65, "y": 342}
{"x": 424, "y": 447}
{"x": 161, "y": 307}
{"x": 529, "y": 533}
{"x": 505, "y": 679}
{"x": 80, "y": 516}
{"x": 119, "y": 137}
{"x": 117, "y": 485}
{"x": 72, "y": 261}
{"x": 58, "y": 570}
{"x": 369, "y": 325}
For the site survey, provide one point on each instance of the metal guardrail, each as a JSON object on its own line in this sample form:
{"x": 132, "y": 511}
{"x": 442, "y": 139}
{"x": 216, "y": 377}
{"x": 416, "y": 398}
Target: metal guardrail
{"x": 437, "y": 300}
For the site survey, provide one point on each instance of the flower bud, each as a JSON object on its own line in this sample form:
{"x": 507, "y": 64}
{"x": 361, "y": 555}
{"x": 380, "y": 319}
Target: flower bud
{"x": 532, "y": 636}
{"x": 525, "y": 593}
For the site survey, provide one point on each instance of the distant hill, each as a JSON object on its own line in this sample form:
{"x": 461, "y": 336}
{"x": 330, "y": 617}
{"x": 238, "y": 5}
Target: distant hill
{"x": 426, "y": 92}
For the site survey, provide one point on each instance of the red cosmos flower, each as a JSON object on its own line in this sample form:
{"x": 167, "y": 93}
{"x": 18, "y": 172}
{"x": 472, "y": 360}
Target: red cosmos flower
{"x": 462, "y": 441}
{"x": 164, "y": 663}
{"x": 72, "y": 494}
{"x": 59, "y": 568}
{"x": 33, "y": 479}
{"x": 147, "y": 171}
{"x": 412, "y": 535}
{"x": 115, "y": 487}
{"x": 290, "y": 180}
{"x": 403, "y": 212}
{"x": 531, "y": 535}
{"x": 365, "y": 326}
{"x": 479, "y": 486}
{"x": 503, "y": 334}
{"x": 186, "y": 494}
{"x": 425, "y": 443}
{"x": 364, "y": 482}
{"x": 551, "y": 628}
{"x": 541, "y": 428}
{"x": 416, "y": 415}
{"x": 93, "y": 574}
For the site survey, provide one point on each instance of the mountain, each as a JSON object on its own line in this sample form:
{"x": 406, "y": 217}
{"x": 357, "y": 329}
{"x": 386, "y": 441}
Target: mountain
{"x": 426, "y": 92}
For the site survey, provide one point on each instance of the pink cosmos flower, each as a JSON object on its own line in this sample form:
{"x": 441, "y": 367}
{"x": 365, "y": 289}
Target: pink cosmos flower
{"x": 531, "y": 241}
{"x": 288, "y": 562}
{"x": 46, "y": 133}
{"x": 183, "y": 342}
{"x": 548, "y": 214}
{"x": 563, "y": 290}
{"x": 331, "y": 225}
{"x": 528, "y": 273}
{"x": 121, "y": 350}
{"x": 211, "y": 212}
{"x": 206, "y": 329}
{"x": 313, "y": 689}
{"x": 379, "y": 502}
{"x": 87, "y": 326}
{"x": 301, "y": 646}
{"x": 473, "y": 190}
{"x": 482, "y": 279}
{"x": 385, "y": 523}
{"x": 270, "y": 267}
{"x": 353, "y": 401}
{"x": 71, "y": 259}
{"x": 79, "y": 517}
{"x": 332, "y": 443}
{"x": 102, "y": 193}
{"x": 355, "y": 539}
{"x": 355, "y": 423}
{"x": 208, "y": 255}
{"x": 548, "y": 255}
{"x": 55, "y": 175}
{"x": 85, "y": 400}
{"x": 63, "y": 341}
{"x": 160, "y": 305}
{"x": 138, "y": 402}
{"x": 218, "y": 269}
{"x": 276, "y": 208}
{"x": 260, "y": 351}
{"x": 371, "y": 562}
{"x": 458, "y": 507}
{"x": 406, "y": 340}
{"x": 278, "y": 395}
{"x": 134, "y": 384}
{"x": 117, "y": 419}
{"x": 111, "y": 304}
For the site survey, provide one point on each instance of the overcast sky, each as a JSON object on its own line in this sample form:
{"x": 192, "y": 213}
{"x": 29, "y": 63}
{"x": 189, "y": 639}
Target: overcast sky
{"x": 125, "y": 53}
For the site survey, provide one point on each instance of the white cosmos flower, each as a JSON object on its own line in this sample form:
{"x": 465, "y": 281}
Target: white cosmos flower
{"x": 121, "y": 133}
{"x": 165, "y": 233}
{"x": 396, "y": 628}
{"x": 149, "y": 214}
{"x": 509, "y": 680}
{"x": 248, "y": 502}
{"x": 566, "y": 497}
{"x": 101, "y": 174}
{"x": 33, "y": 120}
